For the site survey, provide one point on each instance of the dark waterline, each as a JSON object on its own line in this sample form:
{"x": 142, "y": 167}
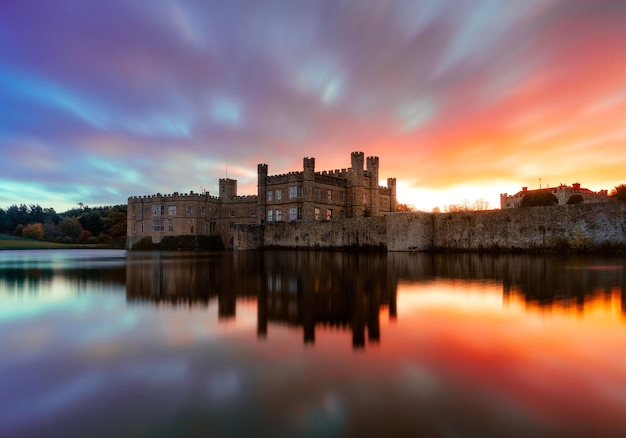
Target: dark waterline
{"x": 109, "y": 343}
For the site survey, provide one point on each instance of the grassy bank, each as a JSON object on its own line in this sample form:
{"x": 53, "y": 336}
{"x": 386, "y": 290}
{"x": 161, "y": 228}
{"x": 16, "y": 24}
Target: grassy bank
{"x": 13, "y": 242}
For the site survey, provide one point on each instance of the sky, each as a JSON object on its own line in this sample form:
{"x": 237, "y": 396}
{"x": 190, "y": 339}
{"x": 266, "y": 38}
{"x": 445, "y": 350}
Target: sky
{"x": 461, "y": 100}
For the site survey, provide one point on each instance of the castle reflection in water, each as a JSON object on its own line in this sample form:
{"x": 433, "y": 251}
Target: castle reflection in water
{"x": 349, "y": 290}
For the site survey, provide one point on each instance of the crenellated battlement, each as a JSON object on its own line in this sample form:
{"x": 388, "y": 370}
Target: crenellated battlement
{"x": 172, "y": 197}
{"x": 331, "y": 178}
{"x": 285, "y": 178}
{"x": 242, "y": 198}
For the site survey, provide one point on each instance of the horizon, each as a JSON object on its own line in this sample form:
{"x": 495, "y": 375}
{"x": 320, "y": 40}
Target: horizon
{"x": 107, "y": 101}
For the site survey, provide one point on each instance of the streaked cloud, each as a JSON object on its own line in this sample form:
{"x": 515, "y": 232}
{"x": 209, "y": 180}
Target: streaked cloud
{"x": 483, "y": 94}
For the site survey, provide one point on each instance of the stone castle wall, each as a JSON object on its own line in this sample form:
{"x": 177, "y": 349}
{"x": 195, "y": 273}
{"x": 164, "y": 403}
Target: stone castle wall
{"x": 578, "y": 227}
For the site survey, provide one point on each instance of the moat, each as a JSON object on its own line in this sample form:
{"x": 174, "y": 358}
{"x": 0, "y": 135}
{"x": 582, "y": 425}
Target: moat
{"x": 296, "y": 343}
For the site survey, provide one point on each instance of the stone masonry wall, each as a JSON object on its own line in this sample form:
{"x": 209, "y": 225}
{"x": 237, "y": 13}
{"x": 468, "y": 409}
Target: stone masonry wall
{"x": 577, "y": 227}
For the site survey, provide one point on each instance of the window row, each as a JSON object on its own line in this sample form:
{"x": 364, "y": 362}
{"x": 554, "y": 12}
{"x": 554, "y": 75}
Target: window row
{"x": 293, "y": 192}
{"x": 276, "y": 215}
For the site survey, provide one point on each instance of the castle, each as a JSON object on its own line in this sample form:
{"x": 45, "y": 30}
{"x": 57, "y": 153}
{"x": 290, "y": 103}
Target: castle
{"x": 562, "y": 192}
{"x": 305, "y": 196}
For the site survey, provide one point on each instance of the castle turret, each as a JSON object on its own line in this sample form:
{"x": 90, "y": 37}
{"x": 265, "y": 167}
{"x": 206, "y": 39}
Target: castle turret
{"x": 393, "y": 202}
{"x": 228, "y": 188}
{"x": 308, "y": 207}
{"x": 356, "y": 186}
{"x": 372, "y": 170}
{"x": 262, "y": 191}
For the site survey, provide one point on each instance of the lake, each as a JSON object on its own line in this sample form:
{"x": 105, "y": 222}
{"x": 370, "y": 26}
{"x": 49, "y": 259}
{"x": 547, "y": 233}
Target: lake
{"x": 114, "y": 343}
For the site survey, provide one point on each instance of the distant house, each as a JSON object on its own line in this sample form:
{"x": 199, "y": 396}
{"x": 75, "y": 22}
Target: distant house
{"x": 563, "y": 193}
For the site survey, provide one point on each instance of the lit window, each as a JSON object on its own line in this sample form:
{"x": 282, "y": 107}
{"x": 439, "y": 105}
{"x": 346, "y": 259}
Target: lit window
{"x": 293, "y": 213}
{"x": 329, "y": 214}
{"x": 171, "y": 210}
{"x": 329, "y": 194}
{"x": 317, "y": 214}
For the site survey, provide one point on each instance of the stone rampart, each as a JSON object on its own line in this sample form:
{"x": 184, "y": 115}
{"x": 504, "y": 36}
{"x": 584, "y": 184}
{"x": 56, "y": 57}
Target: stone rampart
{"x": 562, "y": 227}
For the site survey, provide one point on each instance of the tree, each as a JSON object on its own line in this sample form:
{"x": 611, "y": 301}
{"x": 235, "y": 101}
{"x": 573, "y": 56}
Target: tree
{"x": 575, "y": 199}
{"x": 5, "y": 222}
{"x": 33, "y": 231}
{"x": 70, "y": 228}
{"x": 619, "y": 193}
{"x": 539, "y": 198}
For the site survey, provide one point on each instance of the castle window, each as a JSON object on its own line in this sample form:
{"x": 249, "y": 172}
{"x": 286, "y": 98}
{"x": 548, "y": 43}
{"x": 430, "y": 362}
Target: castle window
{"x": 364, "y": 197}
{"x": 203, "y": 211}
{"x": 157, "y": 225}
{"x": 253, "y": 213}
{"x": 158, "y": 210}
{"x": 217, "y": 213}
{"x": 171, "y": 210}
{"x": 134, "y": 230}
{"x": 279, "y": 194}
{"x": 270, "y": 195}
{"x": 232, "y": 225}
{"x": 342, "y": 214}
{"x": 317, "y": 214}
{"x": 231, "y": 213}
{"x": 295, "y": 213}
{"x": 318, "y": 193}
{"x": 270, "y": 215}
{"x": 189, "y": 209}
{"x": 295, "y": 191}
{"x": 329, "y": 194}
{"x": 329, "y": 214}
{"x": 278, "y": 215}
{"x": 340, "y": 196}
{"x": 170, "y": 225}
{"x": 142, "y": 227}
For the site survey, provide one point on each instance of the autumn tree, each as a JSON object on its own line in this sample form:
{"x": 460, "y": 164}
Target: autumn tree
{"x": 33, "y": 231}
{"x": 70, "y": 228}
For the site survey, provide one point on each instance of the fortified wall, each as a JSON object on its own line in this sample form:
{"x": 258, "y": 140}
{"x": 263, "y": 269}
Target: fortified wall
{"x": 577, "y": 227}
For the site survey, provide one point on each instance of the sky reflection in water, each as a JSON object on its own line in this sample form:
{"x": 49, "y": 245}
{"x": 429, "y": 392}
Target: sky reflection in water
{"x": 107, "y": 343}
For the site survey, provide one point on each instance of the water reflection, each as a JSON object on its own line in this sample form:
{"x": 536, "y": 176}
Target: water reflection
{"x": 219, "y": 344}
{"x": 299, "y": 289}
{"x": 350, "y": 291}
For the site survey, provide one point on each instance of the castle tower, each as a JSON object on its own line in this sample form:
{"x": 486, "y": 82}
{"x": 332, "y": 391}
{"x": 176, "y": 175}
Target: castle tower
{"x": 228, "y": 188}
{"x": 393, "y": 202}
{"x": 308, "y": 207}
{"x": 372, "y": 170}
{"x": 262, "y": 191}
{"x": 356, "y": 206}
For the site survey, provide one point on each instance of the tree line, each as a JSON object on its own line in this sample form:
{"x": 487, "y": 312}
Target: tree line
{"x": 101, "y": 225}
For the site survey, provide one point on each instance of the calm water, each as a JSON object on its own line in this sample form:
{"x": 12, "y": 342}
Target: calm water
{"x": 108, "y": 343}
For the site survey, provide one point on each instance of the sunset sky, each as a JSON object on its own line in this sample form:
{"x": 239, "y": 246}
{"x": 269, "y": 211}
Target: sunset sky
{"x": 102, "y": 100}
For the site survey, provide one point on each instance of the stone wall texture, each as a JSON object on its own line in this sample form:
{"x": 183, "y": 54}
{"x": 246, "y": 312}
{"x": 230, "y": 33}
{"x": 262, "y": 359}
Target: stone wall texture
{"x": 574, "y": 227}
